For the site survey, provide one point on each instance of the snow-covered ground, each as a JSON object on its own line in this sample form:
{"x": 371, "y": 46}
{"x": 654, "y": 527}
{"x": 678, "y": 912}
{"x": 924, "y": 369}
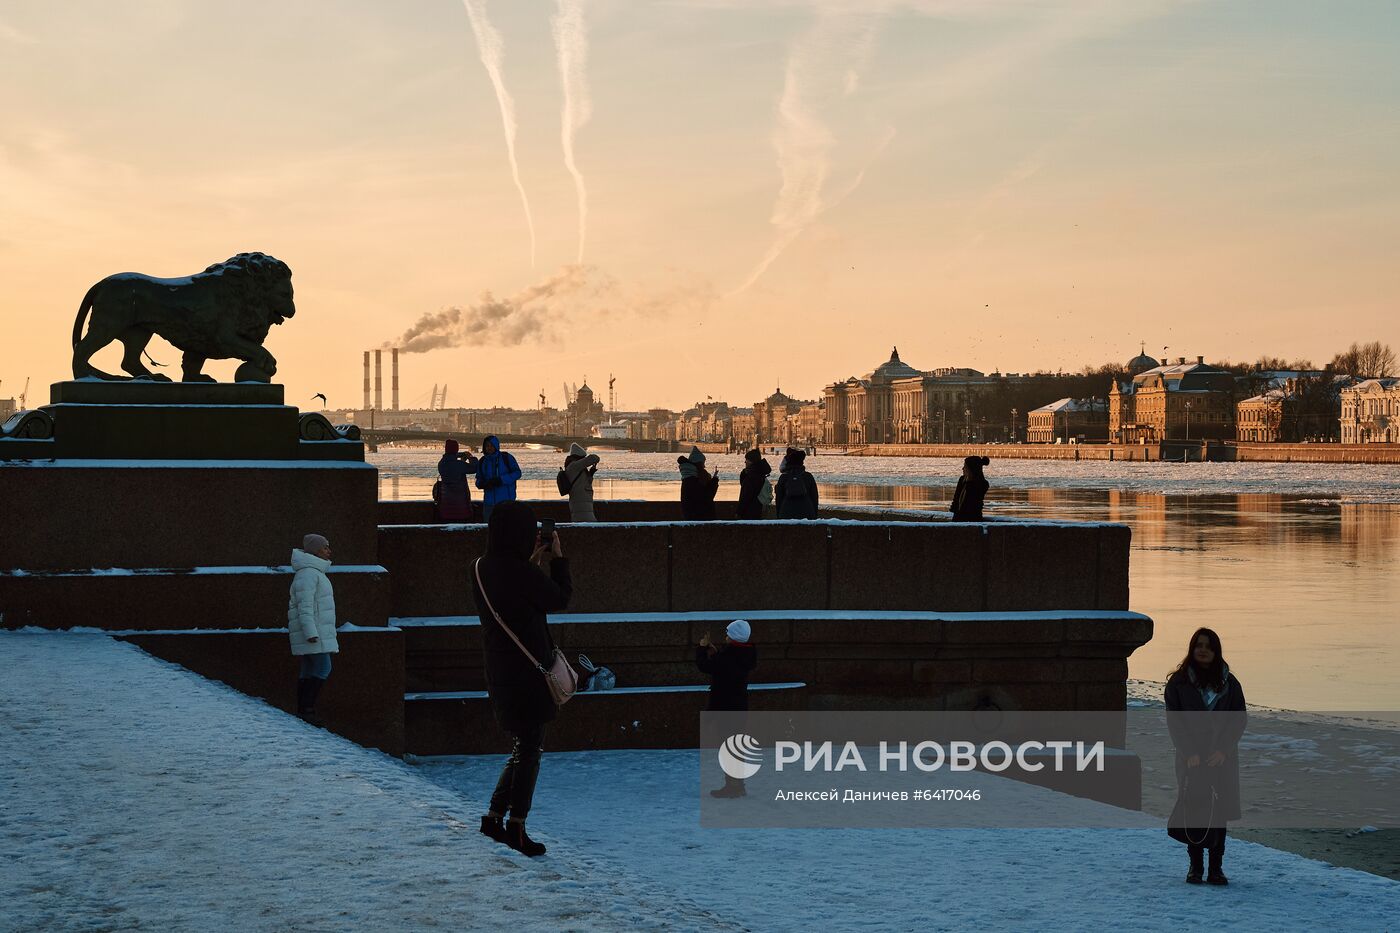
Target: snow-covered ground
{"x": 136, "y": 795}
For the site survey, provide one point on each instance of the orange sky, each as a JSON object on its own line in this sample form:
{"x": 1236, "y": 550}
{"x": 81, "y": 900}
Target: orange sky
{"x": 775, "y": 190}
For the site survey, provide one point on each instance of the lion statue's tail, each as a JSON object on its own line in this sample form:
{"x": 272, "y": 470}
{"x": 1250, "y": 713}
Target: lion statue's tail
{"x": 84, "y": 309}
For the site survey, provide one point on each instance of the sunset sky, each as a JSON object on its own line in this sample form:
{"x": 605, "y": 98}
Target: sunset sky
{"x": 775, "y": 189}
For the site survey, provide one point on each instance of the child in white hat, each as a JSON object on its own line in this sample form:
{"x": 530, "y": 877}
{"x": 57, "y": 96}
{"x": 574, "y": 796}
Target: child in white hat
{"x": 729, "y": 666}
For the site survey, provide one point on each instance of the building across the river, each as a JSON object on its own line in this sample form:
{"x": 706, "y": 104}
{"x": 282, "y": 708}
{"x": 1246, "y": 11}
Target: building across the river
{"x": 1371, "y": 412}
{"x": 898, "y": 404}
{"x": 1180, "y": 401}
{"x": 1068, "y": 419}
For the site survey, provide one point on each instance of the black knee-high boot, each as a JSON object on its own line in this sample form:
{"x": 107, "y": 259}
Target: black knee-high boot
{"x": 1197, "y": 872}
{"x": 1217, "y": 859}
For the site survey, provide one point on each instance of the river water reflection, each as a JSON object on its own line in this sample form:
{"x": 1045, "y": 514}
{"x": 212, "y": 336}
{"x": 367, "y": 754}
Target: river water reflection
{"x": 1298, "y": 573}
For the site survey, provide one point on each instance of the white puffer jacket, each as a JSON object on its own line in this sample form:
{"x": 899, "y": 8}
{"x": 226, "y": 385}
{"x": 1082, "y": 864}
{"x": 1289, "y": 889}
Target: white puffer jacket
{"x": 311, "y": 609}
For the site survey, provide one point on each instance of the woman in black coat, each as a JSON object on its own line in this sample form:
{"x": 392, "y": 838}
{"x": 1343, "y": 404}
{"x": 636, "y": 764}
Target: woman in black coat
{"x": 751, "y": 482}
{"x": 1206, "y": 717}
{"x": 796, "y": 489}
{"x": 521, "y": 593}
{"x": 698, "y": 487}
{"x": 971, "y": 491}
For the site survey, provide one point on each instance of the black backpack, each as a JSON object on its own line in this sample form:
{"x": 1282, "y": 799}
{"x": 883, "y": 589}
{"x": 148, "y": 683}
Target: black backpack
{"x": 562, "y": 481}
{"x": 797, "y": 483}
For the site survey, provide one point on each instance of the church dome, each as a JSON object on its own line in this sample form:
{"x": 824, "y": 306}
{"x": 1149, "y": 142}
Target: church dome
{"x": 1141, "y": 363}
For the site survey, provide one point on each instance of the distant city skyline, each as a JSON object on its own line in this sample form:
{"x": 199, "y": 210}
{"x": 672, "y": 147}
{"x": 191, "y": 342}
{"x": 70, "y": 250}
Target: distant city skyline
{"x": 714, "y": 197}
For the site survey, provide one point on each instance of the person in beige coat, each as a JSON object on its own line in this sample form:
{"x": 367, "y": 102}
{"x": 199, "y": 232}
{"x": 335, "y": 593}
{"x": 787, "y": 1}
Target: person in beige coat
{"x": 579, "y": 468}
{"x": 311, "y": 621}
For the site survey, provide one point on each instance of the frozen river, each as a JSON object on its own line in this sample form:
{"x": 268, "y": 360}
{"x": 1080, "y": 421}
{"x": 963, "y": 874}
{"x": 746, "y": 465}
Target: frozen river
{"x": 1297, "y": 566}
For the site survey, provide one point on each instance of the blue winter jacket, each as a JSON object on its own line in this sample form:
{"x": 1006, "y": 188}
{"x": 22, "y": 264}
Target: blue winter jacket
{"x": 496, "y": 466}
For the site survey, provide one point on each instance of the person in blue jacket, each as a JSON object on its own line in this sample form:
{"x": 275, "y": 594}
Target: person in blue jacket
{"x": 496, "y": 475}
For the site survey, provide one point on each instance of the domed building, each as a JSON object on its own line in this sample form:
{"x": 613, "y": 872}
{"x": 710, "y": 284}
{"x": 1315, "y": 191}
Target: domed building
{"x": 771, "y": 415}
{"x": 898, "y": 404}
{"x": 584, "y": 406}
{"x": 1142, "y": 362}
{"x": 889, "y": 371}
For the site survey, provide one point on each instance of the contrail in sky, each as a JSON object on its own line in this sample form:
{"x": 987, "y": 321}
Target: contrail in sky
{"x": 571, "y": 44}
{"x": 488, "y": 41}
{"x": 823, "y": 66}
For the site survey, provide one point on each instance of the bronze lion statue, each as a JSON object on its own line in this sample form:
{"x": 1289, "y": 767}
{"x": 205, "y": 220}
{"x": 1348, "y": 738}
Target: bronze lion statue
{"x": 224, "y": 312}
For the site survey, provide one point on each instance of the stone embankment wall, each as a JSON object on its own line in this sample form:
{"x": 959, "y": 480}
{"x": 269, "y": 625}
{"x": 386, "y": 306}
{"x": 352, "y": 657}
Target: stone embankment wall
{"x": 838, "y": 565}
{"x": 1315, "y": 453}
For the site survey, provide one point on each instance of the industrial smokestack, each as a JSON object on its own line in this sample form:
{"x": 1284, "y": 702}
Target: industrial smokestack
{"x": 394, "y": 377}
{"x": 379, "y": 380}
{"x": 366, "y": 380}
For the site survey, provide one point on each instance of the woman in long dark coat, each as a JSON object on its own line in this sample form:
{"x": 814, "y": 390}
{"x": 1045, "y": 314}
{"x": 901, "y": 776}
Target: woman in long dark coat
{"x": 698, "y": 487}
{"x": 521, "y": 593}
{"x": 454, "y": 496}
{"x": 751, "y": 482}
{"x": 1206, "y": 717}
{"x": 796, "y": 489}
{"x": 971, "y": 491}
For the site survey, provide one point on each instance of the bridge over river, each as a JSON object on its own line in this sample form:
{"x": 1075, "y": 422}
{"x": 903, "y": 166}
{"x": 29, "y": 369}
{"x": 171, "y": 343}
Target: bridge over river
{"x": 374, "y": 437}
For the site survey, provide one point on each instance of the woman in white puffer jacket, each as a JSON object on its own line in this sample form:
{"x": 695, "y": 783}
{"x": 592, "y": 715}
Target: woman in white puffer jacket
{"x": 311, "y": 621}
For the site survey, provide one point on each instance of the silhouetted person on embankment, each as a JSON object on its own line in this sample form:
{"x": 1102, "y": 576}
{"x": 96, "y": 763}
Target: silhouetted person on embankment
{"x": 971, "y": 491}
{"x": 453, "y": 495}
{"x": 1206, "y": 717}
{"x": 515, "y": 585}
{"x": 729, "y": 667}
{"x": 311, "y": 621}
{"x": 576, "y": 482}
{"x": 698, "y": 487}
{"x": 796, "y": 489}
{"x": 754, "y": 491}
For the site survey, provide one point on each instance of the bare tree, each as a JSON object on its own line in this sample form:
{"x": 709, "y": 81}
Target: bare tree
{"x": 1366, "y": 360}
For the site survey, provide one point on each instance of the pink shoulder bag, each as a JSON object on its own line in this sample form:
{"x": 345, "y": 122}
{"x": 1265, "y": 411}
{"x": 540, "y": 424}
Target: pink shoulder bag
{"x": 561, "y": 679}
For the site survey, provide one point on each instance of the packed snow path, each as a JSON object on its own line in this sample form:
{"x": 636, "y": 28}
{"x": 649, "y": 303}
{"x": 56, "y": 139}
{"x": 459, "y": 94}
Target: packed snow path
{"x": 136, "y": 795}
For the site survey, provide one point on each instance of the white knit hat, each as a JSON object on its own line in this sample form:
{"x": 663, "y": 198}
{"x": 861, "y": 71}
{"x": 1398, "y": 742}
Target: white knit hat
{"x": 738, "y": 630}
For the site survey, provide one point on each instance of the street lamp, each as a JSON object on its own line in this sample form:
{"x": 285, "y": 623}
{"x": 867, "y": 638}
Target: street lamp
{"x": 967, "y": 431}
{"x": 1188, "y": 420}
{"x": 942, "y": 426}
{"x": 1013, "y": 425}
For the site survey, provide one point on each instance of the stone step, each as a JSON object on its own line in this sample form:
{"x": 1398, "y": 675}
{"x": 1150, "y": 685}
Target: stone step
{"x": 165, "y": 598}
{"x": 461, "y": 722}
{"x": 918, "y": 660}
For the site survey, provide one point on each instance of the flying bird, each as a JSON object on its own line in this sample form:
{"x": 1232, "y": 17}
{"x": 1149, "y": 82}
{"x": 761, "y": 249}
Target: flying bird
{"x": 322, "y": 397}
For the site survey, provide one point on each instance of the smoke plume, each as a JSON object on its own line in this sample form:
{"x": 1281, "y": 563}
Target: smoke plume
{"x": 491, "y": 47}
{"x": 571, "y": 46}
{"x": 586, "y": 295}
